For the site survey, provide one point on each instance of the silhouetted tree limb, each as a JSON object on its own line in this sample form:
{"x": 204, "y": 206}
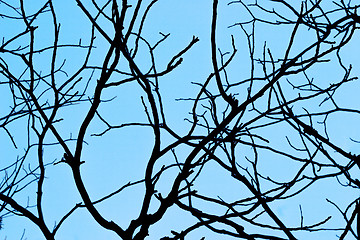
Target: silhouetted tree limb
{"x": 266, "y": 133}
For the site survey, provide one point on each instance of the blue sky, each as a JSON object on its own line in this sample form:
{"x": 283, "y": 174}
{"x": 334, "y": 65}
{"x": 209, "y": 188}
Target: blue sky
{"x": 119, "y": 155}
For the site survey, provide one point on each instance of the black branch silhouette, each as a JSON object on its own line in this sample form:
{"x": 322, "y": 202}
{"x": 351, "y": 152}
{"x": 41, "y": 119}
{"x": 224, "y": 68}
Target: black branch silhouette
{"x": 244, "y": 132}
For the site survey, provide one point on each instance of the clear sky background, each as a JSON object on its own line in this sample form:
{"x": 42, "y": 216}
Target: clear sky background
{"x": 120, "y": 156}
